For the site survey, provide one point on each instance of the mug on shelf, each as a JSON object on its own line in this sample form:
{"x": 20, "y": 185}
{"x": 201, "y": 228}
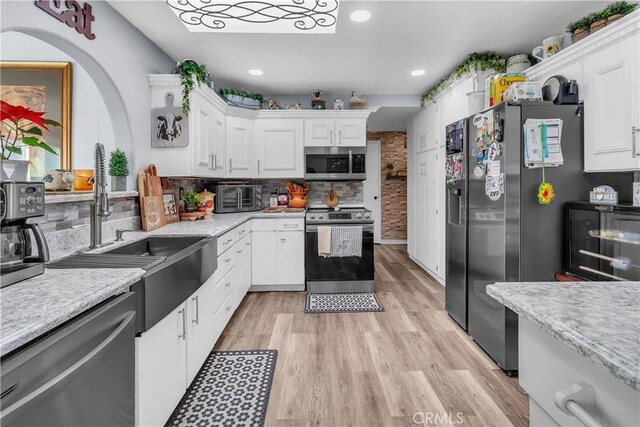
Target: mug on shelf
{"x": 550, "y": 46}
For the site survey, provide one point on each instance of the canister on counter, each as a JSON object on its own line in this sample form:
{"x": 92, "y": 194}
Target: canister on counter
{"x": 206, "y": 200}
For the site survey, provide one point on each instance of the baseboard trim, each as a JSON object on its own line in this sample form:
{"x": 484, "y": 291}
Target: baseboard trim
{"x": 277, "y": 288}
{"x": 393, "y": 241}
{"x": 431, "y": 274}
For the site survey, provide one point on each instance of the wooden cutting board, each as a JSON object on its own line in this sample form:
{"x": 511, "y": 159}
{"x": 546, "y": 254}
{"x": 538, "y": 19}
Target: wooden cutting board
{"x": 152, "y": 212}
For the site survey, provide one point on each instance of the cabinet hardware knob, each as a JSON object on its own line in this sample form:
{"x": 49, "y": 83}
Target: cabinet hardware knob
{"x": 227, "y": 259}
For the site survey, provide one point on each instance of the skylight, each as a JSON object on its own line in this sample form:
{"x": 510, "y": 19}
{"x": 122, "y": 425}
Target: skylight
{"x": 269, "y": 16}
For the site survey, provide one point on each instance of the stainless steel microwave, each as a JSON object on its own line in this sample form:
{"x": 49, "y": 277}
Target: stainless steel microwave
{"x": 237, "y": 198}
{"x": 335, "y": 163}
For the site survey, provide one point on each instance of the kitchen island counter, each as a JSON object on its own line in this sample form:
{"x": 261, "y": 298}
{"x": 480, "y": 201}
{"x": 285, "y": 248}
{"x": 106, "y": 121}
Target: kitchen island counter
{"x": 599, "y": 320}
{"x": 577, "y": 342}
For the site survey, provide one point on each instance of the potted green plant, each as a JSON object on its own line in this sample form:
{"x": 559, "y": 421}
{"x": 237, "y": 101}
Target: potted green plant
{"x": 241, "y": 98}
{"x": 619, "y": 9}
{"x": 118, "y": 169}
{"x": 191, "y": 73}
{"x": 598, "y": 20}
{"x": 21, "y": 128}
{"x": 191, "y": 200}
{"x": 579, "y": 29}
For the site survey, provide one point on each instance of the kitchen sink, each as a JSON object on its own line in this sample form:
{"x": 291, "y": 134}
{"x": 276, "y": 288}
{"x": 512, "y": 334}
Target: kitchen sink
{"x": 175, "y": 268}
{"x": 159, "y": 246}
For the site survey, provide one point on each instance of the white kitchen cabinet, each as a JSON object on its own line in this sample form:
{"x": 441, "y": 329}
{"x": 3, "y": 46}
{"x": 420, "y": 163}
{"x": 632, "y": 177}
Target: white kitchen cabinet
{"x": 239, "y": 147}
{"x": 264, "y": 257}
{"x": 161, "y": 363}
{"x": 290, "y": 257}
{"x": 243, "y": 265}
{"x": 611, "y": 92}
{"x": 278, "y": 254}
{"x": 319, "y": 132}
{"x": 279, "y": 148}
{"x": 200, "y": 329}
{"x": 420, "y": 129}
{"x": 205, "y": 126}
{"x": 350, "y": 132}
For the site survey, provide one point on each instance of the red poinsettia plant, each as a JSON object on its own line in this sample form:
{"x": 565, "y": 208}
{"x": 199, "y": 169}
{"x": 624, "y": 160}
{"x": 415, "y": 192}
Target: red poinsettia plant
{"x": 22, "y": 127}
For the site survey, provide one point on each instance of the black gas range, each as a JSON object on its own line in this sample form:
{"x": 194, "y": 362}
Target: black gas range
{"x": 329, "y": 274}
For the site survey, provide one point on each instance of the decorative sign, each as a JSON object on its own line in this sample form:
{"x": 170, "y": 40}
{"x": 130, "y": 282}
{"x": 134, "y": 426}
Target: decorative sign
{"x": 603, "y": 194}
{"x": 71, "y": 14}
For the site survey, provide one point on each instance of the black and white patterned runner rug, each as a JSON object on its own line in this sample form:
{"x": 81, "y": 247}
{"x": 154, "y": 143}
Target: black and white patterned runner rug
{"x": 360, "y": 302}
{"x": 231, "y": 389}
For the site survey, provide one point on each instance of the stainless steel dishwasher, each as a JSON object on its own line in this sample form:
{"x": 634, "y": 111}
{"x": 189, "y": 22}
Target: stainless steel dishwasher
{"x": 80, "y": 374}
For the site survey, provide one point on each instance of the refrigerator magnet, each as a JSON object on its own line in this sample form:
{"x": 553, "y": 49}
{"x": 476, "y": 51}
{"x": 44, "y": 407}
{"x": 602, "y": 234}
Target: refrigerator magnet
{"x": 494, "y": 151}
{"x": 478, "y": 171}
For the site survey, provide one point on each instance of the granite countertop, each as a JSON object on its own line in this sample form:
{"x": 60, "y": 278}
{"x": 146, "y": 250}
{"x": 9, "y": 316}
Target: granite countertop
{"x": 599, "y": 320}
{"x": 37, "y": 305}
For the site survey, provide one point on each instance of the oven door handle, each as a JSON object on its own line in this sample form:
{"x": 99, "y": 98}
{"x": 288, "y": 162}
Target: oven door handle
{"x": 366, "y": 228}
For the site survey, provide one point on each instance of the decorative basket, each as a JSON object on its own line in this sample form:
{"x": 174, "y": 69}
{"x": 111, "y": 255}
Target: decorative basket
{"x": 614, "y": 18}
{"x": 580, "y": 34}
{"x": 598, "y": 25}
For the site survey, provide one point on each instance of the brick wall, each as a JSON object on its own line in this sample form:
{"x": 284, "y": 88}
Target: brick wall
{"x": 393, "y": 149}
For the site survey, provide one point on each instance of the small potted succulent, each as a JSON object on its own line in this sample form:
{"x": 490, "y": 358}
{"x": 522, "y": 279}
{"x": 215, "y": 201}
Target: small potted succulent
{"x": 119, "y": 170}
{"x": 191, "y": 73}
{"x": 191, "y": 200}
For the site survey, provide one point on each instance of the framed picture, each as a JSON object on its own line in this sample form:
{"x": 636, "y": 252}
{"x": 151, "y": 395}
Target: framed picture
{"x": 169, "y": 125}
{"x": 171, "y": 213}
{"x": 41, "y": 86}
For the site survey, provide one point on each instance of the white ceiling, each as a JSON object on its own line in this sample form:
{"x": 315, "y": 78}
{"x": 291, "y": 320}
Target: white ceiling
{"x": 374, "y": 57}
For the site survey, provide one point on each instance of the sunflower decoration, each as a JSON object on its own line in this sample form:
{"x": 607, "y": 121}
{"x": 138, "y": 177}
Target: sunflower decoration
{"x": 545, "y": 193}
{"x": 545, "y": 189}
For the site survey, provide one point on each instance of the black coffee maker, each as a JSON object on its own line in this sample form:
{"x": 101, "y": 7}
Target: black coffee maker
{"x": 20, "y": 201}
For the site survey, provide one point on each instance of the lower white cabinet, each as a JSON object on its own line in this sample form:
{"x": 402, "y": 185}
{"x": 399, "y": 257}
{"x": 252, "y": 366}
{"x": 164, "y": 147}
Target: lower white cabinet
{"x": 243, "y": 250}
{"x": 200, "y": 328}
{"x": 278, "y": 254}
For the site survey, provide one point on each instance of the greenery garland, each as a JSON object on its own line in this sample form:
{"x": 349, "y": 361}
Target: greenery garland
{"x": 242, "y": 93}
{"x": 190, "y": 73}
{"x": 478, "y": 61}
{"x": 617, "y": 8}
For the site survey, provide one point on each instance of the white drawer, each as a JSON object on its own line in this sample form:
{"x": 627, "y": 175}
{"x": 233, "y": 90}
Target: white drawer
{"x": 294, "y": 224}
{"x": 226, "y": 241}
{"x": 264, "y": 224}
{"x": 224, "y": 313}
{"x": 243, "y": 229}
{"x": 220, "y": 291}
{"x": 225, "y": 262}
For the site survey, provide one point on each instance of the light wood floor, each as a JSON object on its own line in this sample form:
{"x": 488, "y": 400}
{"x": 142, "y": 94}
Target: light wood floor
{"x": 376, "y": 369}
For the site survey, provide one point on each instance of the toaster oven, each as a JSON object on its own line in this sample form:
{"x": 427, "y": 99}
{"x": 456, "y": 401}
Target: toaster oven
{"x": 237, "y": 198}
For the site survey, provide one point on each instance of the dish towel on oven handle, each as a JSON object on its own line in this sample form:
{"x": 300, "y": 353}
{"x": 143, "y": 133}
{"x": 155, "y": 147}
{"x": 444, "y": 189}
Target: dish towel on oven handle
{"x": 346, "y": 241}
{"x": 324, "y": 241}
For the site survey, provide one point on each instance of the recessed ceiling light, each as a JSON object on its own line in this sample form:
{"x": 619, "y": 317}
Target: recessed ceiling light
{"x": 255, "y": 72}
{"x": 416, "y": 73}
{"x": 360, "y": 16}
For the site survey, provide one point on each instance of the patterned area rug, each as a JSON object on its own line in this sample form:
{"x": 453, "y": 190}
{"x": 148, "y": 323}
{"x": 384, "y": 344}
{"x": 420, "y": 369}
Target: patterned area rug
{"x": 231, "y": 389}
{"x": 342, "y": 303}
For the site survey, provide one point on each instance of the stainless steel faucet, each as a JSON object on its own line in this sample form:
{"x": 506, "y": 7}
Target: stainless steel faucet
{"x": 100, "y": 204}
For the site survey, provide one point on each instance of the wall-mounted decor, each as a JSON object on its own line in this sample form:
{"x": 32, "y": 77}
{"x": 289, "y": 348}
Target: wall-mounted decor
{"x": 266, "y": 16}
{"x": 71, "y": 14}
{"x": 169, "y": 127}
{"x": 41, "y": 87}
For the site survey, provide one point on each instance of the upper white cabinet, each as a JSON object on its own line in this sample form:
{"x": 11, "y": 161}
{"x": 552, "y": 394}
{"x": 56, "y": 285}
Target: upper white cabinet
{"x": 611, "y": 93}
{"x": 231, "y": 142}
{"x": 320, "y": 132}
{"x": 605, "y": 65}
{"x": 206, "y": 127}
{"x": 279, "y": 148}
{"x": 239, "y": 147}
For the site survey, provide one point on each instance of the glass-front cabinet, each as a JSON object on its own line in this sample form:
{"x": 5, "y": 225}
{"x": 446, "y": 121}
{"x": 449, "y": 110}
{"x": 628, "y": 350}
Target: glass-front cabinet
{"x": 603, "y": 241}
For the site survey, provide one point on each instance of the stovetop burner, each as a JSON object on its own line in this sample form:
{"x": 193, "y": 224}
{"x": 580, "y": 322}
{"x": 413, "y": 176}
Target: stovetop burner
{"x": 341, "y": 216}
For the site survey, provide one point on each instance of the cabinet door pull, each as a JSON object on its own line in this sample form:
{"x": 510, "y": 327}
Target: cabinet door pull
{"x": 228, "y": 308}
{"x": 290, "y": 225}
{"x": 230, "y": 166}
{"x": 215, "y": 162}
{"x": 283, "y": 240}
{"x": 197, "y": 319}
{"x": 239, "y": 251}
{"x": 227, "y": 260}
{"x": 258, "y": 166}
{"x": 210, "y": 162}
{"x": 248, "y": 243}
{"x": 183, "y": 335}
{"x": 226, "y": 285}
{"x": 634, "y": 152}
{"x": 331, "y": 137}
{"x": 340, "y": 137}
{"x": 572, "y": 400}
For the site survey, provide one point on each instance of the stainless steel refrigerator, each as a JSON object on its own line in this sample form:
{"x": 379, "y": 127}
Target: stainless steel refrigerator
{"x": 511, "y": 236}
{"x": 456, "y": 206}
